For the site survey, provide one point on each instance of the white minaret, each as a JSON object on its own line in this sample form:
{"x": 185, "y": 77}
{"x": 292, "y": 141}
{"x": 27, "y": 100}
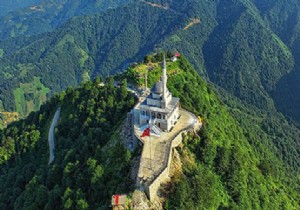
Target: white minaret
{"x": 164, "y": 81}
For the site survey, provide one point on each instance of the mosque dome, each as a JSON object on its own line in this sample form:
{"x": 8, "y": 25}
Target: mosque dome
{"x": 158, "y": 88}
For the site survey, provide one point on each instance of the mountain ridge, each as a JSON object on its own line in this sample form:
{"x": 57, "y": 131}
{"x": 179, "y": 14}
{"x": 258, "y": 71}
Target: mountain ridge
{"x": 45, "y": 16}
{"x": 91, "y": 163}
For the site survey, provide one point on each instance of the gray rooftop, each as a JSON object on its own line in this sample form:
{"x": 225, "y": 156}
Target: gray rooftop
{"x": 157, "y": 88}
{"x": 171, "y": 106}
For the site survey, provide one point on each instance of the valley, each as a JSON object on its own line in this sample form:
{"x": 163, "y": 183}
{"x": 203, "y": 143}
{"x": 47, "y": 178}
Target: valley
{"x": 233, "y": 64}
{"x": 220, "y": 52}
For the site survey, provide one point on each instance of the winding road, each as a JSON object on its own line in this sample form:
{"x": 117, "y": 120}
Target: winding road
{"x": 51, "y": 135}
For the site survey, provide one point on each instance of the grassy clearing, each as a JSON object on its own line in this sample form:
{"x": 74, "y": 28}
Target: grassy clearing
{"x": 1, "y": 106}
{"x": 84, "y": 56}
{"x": 19, "y": 100}
{"x": 30, "y": 96}
{"x": 154, "y": 72}
{"x": 85, "y": 76}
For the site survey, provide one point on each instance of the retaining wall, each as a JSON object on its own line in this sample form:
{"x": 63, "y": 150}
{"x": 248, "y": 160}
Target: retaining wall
{"x": 151, "y": 189}
{"x": 152, "y": 186}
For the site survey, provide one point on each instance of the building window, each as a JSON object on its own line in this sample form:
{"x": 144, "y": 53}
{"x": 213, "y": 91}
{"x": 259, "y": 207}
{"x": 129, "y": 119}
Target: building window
{"x": 159, "y": 116}
{"x": 152, "y": 114}
{"x": 157, "y": 124}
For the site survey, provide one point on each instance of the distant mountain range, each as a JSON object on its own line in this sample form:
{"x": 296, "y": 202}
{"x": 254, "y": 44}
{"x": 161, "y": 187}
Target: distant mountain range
{"x": 246, "y": 87}
{"x": 249, "y": 48}
{"x": 7, "y": 6}
{"x": 40, "y": 16}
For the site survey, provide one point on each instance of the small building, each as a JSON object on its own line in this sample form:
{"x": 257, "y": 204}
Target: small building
{"x": 159, "y": 106}
{"x": 174, "y": 58}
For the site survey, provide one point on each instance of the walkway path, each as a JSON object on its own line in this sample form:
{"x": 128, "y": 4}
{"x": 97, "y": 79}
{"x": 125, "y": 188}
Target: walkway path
{"x": 155, "y": 153}
{"x": 51, "y": 135}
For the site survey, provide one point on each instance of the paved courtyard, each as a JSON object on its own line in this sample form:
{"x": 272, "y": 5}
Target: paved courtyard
{"x": 156, "y": 149}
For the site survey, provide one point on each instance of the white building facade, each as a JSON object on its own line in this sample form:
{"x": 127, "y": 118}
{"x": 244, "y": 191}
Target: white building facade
{"x": 159, "y": 107}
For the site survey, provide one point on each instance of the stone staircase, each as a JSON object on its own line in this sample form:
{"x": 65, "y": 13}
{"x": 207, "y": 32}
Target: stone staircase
{"x": 156, "y": 130}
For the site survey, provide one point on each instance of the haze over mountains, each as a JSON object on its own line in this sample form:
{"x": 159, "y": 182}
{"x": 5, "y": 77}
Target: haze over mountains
{"x": 242, "y": 46}
{"x": 44, "y": 16}
{"x": 246, "y": 50}
{"x": 8, "y": 5}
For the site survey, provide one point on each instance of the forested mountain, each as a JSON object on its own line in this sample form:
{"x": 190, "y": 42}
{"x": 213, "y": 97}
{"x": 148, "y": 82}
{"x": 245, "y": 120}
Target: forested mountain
{"x": 249, "y": 48}
{"x": 7, "y": 6}
{"x": 82, "y": 48}
{"x": 87, "y": 143}
{"x": 229, "y": 164}
{"x": 44, "y": 16}
{"x": 247, "y": 155}
{"x": 283, "y": 18}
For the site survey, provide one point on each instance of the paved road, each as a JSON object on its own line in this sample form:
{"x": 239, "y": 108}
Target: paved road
{"x": 51, "y": 135}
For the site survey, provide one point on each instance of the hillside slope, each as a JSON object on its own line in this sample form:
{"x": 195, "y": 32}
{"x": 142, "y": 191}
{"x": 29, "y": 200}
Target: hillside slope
{"x": 90, "y": 162}
{"x": 236, "y": 151}
{"x": 8, "y": 5}
{"x": 83, "y": 48}
{"x": 242, "y": 168}
{"x": 44, "y": 16}
{"x": 237, "y": 45}
{"x": 283, "y": 17}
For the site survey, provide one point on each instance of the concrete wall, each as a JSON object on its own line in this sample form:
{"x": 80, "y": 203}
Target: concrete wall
{"x": 178, "y": 139}
{"x": 173, "y": 118}
{"x": 153, "y": 187}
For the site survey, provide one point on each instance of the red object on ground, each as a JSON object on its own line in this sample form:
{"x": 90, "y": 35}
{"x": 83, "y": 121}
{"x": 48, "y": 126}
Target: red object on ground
{"x": 146, "y": 132}
{"x": 117, "y": 199}
{"x": 177, "y": 54}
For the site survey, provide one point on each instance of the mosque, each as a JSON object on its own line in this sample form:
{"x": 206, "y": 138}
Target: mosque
{"x": 160, "y": 107}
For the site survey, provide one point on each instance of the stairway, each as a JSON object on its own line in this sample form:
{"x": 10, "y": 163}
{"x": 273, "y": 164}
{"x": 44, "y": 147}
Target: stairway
{"x": 156, "y": 130}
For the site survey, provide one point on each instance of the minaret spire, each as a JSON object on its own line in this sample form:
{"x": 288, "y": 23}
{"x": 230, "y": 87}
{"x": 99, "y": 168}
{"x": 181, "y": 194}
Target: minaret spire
{"x": 164, "y": 79}
{"x": 164, "y": 68}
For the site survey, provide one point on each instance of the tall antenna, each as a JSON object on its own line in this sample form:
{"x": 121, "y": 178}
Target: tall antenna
{"x": 164, "y": 79}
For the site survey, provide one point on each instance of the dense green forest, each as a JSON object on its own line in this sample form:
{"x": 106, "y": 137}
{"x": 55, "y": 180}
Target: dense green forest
{"x": 44, "y": 16}
{"x": 236, "y": 162}
{"x": 241, "y": 46}
{"x": 7, "y": 6}
{"x": 90, "y": 162}
{"x": 79, "y": 50}
{"x": 247, "y": 51}
{"x": 283, "y": 18}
